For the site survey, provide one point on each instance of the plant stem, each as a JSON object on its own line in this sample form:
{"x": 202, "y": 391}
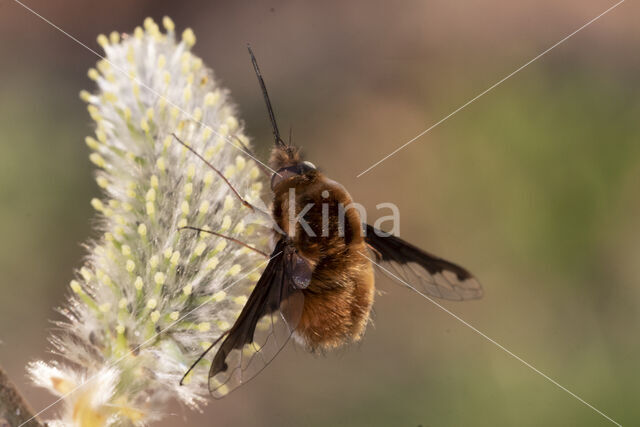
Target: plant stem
{"x": 13, "y": 408}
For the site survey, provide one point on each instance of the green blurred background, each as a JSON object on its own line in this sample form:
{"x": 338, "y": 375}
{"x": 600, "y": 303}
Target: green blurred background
{"x": 534, "y": 187}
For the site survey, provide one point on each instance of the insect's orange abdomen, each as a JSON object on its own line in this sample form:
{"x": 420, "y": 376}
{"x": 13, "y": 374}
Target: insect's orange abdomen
{"x": 339, "y": 298}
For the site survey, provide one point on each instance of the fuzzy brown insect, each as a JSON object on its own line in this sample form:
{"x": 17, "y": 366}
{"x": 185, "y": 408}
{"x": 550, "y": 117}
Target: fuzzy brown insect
{"x": 318, "y": 285}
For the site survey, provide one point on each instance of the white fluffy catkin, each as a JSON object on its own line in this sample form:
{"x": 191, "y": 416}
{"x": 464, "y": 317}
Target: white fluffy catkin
{"x": 149, "y": 297}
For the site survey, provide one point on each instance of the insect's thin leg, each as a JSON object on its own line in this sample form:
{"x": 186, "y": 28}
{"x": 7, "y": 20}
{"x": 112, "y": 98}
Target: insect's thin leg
{"x": 202, "y": 356}
{"x": 375, "y": 251}
{"x": 202, "y": 230}
{"x": 243, "y": 201}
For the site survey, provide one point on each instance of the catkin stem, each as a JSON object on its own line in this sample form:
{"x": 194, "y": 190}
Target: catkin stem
{"x": 13, "y": 408}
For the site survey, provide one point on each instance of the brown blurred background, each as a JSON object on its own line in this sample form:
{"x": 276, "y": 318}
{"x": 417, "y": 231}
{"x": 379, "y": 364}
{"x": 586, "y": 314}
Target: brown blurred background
{"x": 534, "y": 187}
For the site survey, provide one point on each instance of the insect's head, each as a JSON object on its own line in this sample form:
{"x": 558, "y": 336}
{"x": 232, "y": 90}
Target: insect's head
{"x": 299, "y": 169}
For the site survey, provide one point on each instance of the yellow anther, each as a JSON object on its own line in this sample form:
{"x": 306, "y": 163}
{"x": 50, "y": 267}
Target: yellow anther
{"x": 152, "y": 303}
{"x": 175, "y": 315}
{"x": 138, "y": 283}
{"x": 204, "y": 207}
{"x": 208, "y": 178}
{"x": 151, "y": 209}
{"x": 86, "y": 274}
{"x": 142, "y": 230}
{"x": 144, "y": 125}
{"x": 110, "y": 97}
{"x": 191, "y": 171}
{"x": 211, "y": 98}
{"x": 221, "y": 245}
{"x": 167, "y": 141}
{"x": 101, "y": 135}
{"x": 187, "y": 290}
{"x": 131, "y": 59}
{"x": 223, "y": 324}
{"x": 85, "y": 95}
{"x": 103, "y": 41}
{"x": 114, "y": 37}
{"x": 240, "y": 163}
{"x": 186, "y": 94}
{"x": 97, "y": 204}
{"x": 175, "y": 112}
{"x": 232, "y": 123}
{"x": 197, "y": 114}
{"x": 93, "y": 74}
{"x": 104, "y": 307}
{"x": 130, "y": 266}
{"x": 240, "y": 300}
{"x": 254, "y": 173}
{"x": 235, "y": 269}
{"x": 126, "y": 250}
{"x": 175, "y": 258}
{"x": 97, "y": 160}
{"x": 160, "y": 164}
{"x": 206, "y": 134}
{"x": 239, "y": 228}
{"x": 91, "y": 143}
{"x": 168, "y": 24}
{"x": 228, "y": 204}
{"x": 188, "y": 189}
{"x": 212, "y": 263}
{"x": 188, "y": 37}
{"x": 153, "y": 261}
{"x": 204, "y": 326}
{"x": 151, "y": 195}
{"x": 226, "y": 223}
{"x": 75, "y": 286}
{"x": 208, "y": 154}
{"x": 219, "y": 296}
{"x": 138, "y": 33}
{"x": 155, "y": 316}
{"x": 148, "y": 23}
{"x": 159, "y": 278}
{"x": 199, "y": 249}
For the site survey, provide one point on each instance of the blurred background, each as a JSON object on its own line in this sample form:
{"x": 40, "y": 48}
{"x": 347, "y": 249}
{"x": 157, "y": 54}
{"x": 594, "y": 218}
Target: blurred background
{"x": 533, "y": 187}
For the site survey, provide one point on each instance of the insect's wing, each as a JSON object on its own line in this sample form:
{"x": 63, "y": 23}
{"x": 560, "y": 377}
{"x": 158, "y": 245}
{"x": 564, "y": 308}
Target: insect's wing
{"x": 263, "y": 327}
{"x": 430, "y": 274}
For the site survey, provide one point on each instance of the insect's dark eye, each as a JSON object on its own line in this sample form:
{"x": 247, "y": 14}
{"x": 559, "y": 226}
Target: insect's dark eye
{"x": 307, "y": 166}
{"x": 291, "y": 171}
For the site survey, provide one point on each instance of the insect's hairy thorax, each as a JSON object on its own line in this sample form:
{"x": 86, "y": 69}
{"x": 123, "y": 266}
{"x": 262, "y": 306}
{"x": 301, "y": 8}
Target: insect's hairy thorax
{"x": 316, "y": 213}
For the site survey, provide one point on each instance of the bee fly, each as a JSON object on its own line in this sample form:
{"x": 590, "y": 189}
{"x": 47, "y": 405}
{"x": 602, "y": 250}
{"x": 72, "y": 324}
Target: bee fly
{"x": 318, "y": 285}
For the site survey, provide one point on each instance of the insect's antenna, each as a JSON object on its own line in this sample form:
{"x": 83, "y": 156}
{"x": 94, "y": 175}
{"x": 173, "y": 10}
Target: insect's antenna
{"x": 202, "y": 357}
{"x": 265, "y": 94}
{"x": 290, "y": 135}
